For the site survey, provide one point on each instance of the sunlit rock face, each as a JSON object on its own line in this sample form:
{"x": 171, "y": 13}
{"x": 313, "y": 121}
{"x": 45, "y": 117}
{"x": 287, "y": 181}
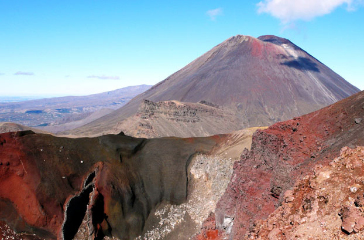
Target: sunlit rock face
{"x": 280, "y": 155}
{"x": 325, "y": 204}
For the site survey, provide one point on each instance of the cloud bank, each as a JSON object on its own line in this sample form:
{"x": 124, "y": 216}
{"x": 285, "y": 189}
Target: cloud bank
{"x": 24, "y": 73}
{"x": 213, "y": 13}
{"x": 292, "y": 10}
{"x": 103, "y": 77}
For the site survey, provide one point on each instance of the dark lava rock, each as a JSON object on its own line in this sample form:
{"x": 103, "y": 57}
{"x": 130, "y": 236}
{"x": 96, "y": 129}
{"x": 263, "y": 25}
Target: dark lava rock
{"x": 114, "y": 181}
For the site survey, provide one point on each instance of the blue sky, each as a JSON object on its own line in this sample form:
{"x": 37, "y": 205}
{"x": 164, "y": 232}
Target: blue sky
{"x": 54, "y": 48}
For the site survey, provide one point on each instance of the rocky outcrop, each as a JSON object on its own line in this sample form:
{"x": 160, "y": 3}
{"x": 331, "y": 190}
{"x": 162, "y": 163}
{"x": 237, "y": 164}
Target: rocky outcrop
{"x": 107, "y": 186}
{"x": 173, "y": 118}
{"x": 327, "y": 204}
{"x": 279, "y": 156}
{"x": 208, "y": 178}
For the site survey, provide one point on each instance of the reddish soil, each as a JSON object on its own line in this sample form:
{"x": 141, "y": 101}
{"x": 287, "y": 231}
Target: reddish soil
{"x": 282, "y": 154}
{"x": 257, "y": 47}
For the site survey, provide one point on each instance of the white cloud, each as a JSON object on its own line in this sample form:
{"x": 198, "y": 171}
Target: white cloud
{"x": 213, "y": 13}
{"x": 103, "y": 77}
{"x": 291, "y": 10}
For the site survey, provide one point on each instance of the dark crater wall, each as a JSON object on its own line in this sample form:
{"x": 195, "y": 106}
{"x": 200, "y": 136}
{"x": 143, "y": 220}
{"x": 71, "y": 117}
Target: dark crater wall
{"x": 114, "y": 181}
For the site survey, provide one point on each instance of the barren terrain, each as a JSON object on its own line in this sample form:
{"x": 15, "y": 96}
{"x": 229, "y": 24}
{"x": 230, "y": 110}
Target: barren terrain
{"x": 260, "y": 81}
{"x": 280, "y": 155}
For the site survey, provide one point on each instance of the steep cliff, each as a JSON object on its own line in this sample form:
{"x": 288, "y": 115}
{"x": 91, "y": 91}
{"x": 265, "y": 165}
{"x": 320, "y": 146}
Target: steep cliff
{"x": 109, "y": 185}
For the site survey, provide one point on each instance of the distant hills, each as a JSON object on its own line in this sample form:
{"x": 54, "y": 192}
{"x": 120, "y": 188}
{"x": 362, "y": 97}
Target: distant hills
{"x": 120, "y": 187}
{"x": 8, "y": 99}
{"x": 253, "y": 81}
{"x": 296, "y": 179}
{"x": 63, "y": 113}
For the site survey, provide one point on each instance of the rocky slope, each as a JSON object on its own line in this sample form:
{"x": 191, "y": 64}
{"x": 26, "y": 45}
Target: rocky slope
{"x": 112, "y": 186}
{"x": 209, "y": 175}
{"x": 279, "y": 156}
{"x": 327, "y": 204}
{"x": 126, "y": 188}
{"x": 261, "y": 80}
{"x": 173, "y": 118}
{"x": 48, "y": 185}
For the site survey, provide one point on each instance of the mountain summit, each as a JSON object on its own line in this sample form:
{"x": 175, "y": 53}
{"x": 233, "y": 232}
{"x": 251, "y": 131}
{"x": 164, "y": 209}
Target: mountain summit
{"x": 262, "y": 80}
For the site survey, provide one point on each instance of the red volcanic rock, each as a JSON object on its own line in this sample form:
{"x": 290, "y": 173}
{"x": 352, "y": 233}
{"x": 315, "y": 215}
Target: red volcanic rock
{"x": 352, "y": 219}
{"x": 282, "y": 154}
{"x": 32, "y": 183}
{"x": 326, "y": 204}
{"x": 208, "y": 230}
{"x": 51, "y": 186}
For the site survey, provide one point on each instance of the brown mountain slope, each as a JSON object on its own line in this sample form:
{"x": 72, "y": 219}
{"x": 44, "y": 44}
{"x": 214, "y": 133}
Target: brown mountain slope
{"x": 262, "y": 80}
{"x": 279, "y": 156}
